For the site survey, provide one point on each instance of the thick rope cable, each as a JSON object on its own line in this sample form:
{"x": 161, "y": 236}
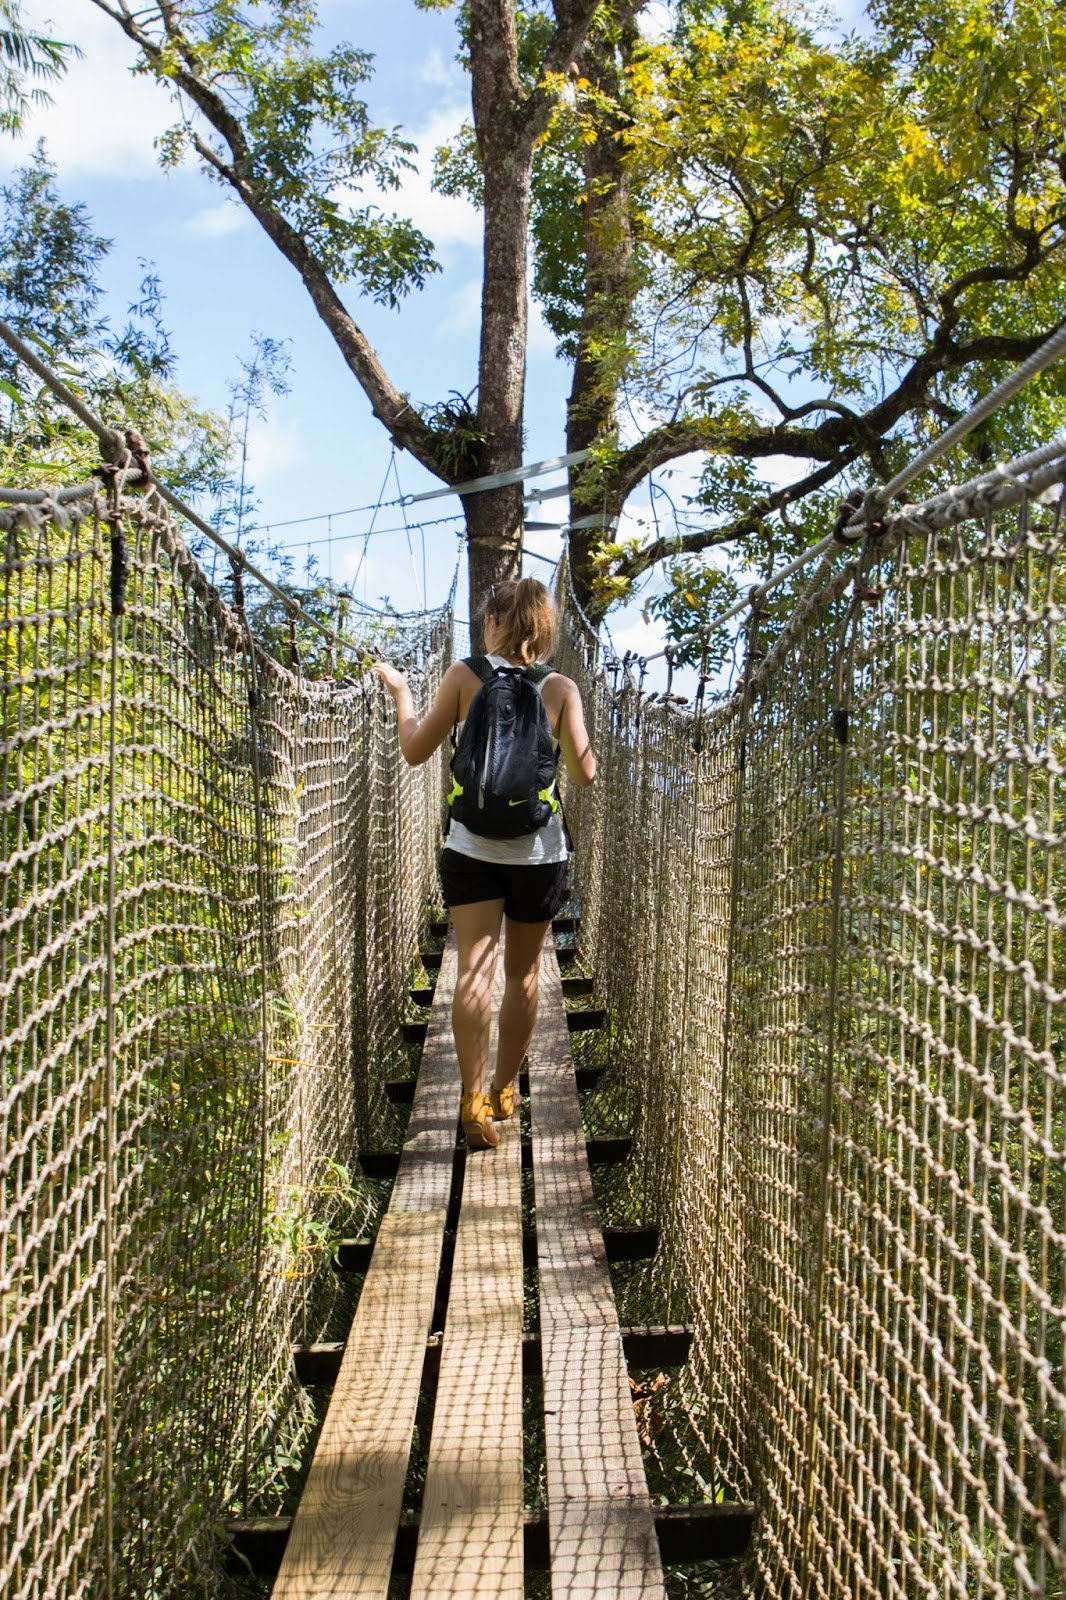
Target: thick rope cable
{"x": 876, "y": 500}
{"x": 48, "y": 497}
{"x": 111, "y": 443}
{"x": 114, "y": 446}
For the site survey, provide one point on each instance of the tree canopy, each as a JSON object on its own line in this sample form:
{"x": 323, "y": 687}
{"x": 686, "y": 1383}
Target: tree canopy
{"x": 756, "y": 240}
{"x": 838, "y": 244}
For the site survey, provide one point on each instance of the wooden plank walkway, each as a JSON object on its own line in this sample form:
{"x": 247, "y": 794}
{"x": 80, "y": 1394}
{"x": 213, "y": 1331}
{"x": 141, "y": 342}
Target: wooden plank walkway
{"x": 600, "y": 1518}
{"x": 472, "y": 1531}
{"x": 344, "y": 1532}
{"x": 470, "y": 1537}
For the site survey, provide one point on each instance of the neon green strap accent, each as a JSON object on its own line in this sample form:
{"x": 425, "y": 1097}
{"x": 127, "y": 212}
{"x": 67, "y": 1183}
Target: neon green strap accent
{"x": 549, "y": 795}
{"x": 457, "y": 790}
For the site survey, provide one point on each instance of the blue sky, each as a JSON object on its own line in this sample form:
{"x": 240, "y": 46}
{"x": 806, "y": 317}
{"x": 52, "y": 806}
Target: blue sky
{"x": 320, "y": 449}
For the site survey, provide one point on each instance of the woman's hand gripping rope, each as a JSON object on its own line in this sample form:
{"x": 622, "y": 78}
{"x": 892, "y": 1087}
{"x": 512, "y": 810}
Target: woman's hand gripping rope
{"x": 393, "y": 679}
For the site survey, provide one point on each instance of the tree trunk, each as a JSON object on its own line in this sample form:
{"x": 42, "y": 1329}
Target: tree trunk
{"x": 494, "y": 518}
{"x": 610, "y": 291}
{"x": 490, "y": 559}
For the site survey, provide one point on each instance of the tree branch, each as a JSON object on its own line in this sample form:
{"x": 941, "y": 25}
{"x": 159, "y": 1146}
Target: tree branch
{"x": 632, "y": 565}
{"x": 573, "y": 18}
{"x": 836, "y": 433}
{"x": 403, "y": 423}
{"x": 690, "y": 434}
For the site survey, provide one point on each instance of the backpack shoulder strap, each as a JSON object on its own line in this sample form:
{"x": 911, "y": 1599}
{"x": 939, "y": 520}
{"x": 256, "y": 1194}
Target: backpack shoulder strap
{"x": 538, "y": 673}
{"x": 481, "y": 665}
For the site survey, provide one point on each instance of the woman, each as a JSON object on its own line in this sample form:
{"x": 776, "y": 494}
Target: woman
{"x": 487, "y": 882}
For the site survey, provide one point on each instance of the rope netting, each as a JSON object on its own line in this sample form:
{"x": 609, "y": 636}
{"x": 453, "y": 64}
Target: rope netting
{"x": 214, "y": 877}
{"x": 825, "y": 914}
{"x": 827, "y": 918}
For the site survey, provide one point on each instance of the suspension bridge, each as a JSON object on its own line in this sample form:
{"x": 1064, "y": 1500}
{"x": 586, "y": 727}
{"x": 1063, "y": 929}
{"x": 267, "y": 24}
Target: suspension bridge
{"x": 765, "y": 1296}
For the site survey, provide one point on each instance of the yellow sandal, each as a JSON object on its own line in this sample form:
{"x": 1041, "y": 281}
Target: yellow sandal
{"x": 475, "y": 1111}
{"x": 505, "y": 1101}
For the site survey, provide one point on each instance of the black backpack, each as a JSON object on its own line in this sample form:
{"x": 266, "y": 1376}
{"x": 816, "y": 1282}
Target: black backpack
{"x": 504, "y": 766}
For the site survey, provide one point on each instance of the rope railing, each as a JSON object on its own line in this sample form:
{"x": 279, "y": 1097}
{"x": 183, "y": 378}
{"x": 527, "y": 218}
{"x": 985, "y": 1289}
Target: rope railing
{"x": 213, "y": 876}
{"x": 827, "y": 919}
{"x": 126, "y": 458}
{"x": 836, "y": 1028}
{"x": 861, "y": 511}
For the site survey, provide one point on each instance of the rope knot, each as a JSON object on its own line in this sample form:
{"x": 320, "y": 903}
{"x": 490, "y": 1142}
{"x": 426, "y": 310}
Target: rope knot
{"x": 236, "y": 563}
{"x": 138, "y": 451}
{"x": 851, "y": 504}
{"x": 872, "y": 508}
{"x": 114, "y": 452}
{"x": 701, "y": 689}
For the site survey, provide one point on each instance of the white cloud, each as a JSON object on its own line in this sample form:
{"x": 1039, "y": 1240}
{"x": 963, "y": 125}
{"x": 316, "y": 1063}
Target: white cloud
{"x": 275, "y": 446}
{"x": 214, "y": 222}
{"x": 103, "y": 120}
{"x": 444, "y": 220}
{"x": 465, "y": 308}
{"x": 656, "y": 20}
{"x": 442, "y": 73}
{"x": 646, "y": 638}
{"x": 779, "y": 471}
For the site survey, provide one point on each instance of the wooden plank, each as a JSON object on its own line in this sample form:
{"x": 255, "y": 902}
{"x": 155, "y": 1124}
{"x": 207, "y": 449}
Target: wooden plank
{"x": 344, "y": 1531}
{"x": 599, "y": 1511}
{"x": 610, "y": 1151}
{"x": 621, "y": 1244}
{"x": 345, "y": 1527}
{"x": 606, "y": 1152}
{"x": 424, "y": 1177}
{"x": 470, "y": 1537}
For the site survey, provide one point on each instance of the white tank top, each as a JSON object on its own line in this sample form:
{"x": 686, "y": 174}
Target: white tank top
{"x": 542, "y": 848}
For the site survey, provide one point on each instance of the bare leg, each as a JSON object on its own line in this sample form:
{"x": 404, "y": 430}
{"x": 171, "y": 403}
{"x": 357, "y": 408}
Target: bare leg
{"x": 477, "y": 932}
{"x": 518, "y": 1011}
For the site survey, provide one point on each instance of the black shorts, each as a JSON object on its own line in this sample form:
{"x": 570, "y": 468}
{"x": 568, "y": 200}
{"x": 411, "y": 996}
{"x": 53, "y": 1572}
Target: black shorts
{"x": 531, "y": 893}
